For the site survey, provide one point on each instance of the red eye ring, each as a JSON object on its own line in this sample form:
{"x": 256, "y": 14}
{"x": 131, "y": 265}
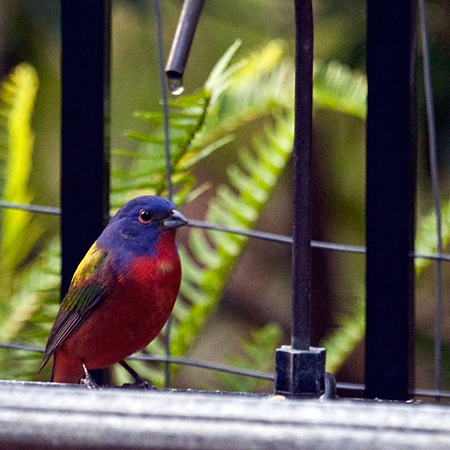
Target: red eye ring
{"x": 145, "y": 216}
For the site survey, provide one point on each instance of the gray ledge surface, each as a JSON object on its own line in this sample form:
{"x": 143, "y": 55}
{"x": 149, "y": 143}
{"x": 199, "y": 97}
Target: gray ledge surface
{"x": 49, "y": 416}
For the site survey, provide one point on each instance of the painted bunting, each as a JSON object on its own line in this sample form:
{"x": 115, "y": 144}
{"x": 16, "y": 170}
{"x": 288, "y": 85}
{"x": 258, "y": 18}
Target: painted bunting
{"x": 121, "y": 294}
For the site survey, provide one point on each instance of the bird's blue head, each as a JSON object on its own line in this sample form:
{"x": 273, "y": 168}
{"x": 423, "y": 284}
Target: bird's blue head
{"x": 137, "y": 226}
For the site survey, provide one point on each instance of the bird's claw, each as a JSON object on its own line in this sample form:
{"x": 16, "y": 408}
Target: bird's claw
{"x": 88, "y": 379}
{"x": 89, "y": 382}
{"x": 140, "y": 384}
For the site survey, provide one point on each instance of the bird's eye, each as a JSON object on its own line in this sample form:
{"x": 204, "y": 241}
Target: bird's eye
{"x": 145, "y": 216}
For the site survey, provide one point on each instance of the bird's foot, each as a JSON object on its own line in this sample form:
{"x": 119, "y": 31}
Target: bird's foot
{"x": 139, "y": 383}
{"x": 88, "y": 379}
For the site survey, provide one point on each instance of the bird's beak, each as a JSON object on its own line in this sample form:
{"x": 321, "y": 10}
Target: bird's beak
{"x": 175, "y": 220}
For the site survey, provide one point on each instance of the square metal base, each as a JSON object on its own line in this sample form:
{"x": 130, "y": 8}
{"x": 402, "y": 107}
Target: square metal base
{"x": 300, "y": 373}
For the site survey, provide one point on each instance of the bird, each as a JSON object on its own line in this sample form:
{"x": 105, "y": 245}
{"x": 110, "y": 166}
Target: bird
{"x": 121, "y": 294}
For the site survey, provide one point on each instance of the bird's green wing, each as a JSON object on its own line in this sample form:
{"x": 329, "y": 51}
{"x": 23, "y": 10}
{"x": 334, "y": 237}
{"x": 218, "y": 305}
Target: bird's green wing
{"x": 86, "y": 281}
{"x": 88, "y": 288}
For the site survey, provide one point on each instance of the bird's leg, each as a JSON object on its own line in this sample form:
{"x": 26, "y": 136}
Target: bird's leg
{"x": 88, "y": 379}
{"x": 139, "y": 383}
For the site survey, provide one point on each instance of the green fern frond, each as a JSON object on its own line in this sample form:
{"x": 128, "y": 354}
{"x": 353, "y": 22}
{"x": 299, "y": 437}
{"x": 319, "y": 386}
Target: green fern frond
{"x": 339, "y": 88}
{"x": 214, "y": 254}
{"x": 42, "y": 278}
{"x": 17, "y": 97}
{"x": 219, "y": 79}
{"x": 426, "y": 237}
{"x": 258, "y": 87}
{"x": 186, "y": 124}
{"x": 341, "y": 343}
{"x": 351, "y": 329}
{"x": 32, "y": 311}
{"x": 148, "y": 167}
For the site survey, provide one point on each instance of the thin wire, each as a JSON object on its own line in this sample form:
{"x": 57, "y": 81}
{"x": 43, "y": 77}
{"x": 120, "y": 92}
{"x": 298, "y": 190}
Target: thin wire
{"x": 165, "y": 104}
{"x": 205, "y": 365}
{"x": 275, "y": 237}
{"x": 31, "y": 208}
{"x": 164, "y": 359}
{"x": 19, "y": 346}
{"x": 436, "y": 256}
{"x": 435, "y": 188}
{"x": 350, "y": 386}
{"x": 165, "y": 108}
{"x": 431, "y": 393}
{"x": 415, "y": 393}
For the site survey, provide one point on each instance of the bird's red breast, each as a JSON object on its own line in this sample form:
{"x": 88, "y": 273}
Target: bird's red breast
{"x": 141, "y": 300}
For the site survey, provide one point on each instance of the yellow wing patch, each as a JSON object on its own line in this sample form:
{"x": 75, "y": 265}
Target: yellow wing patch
{"x": 89, "y": 264}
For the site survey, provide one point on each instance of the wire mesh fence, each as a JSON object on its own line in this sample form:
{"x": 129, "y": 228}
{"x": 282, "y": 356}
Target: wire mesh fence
{"x": 389, "y": 340}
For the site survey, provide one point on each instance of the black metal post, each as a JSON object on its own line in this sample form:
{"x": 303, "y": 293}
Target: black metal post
{"x": 85, "y": 122}
{"x": 301, "y": 251}
{"x": 85, "y": 26}
{"x": 181, "y": 45}
{"x": 300, "y": 369}
{"x": 391, "y": 164}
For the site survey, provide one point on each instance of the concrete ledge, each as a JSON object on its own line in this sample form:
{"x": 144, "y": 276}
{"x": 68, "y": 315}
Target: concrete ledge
{"x": 47, "y": 416}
